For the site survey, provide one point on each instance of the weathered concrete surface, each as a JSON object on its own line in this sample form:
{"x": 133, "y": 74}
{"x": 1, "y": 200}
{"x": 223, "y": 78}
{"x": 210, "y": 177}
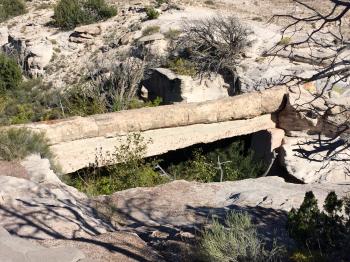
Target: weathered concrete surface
{"x": 77, "y": 154}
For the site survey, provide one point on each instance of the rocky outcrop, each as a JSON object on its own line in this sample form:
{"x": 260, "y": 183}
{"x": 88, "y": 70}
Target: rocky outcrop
{"x": 309, "y": 159}
{"x": 181, "y": 206}
{"x": 15, "y": 249}
{"x": 300, "y": 112}
{"x": 172, "y": 87}
{"x": 85, "y": 34}
{"x": 68, "y": 226}
{"x": 47, "y": 210}
{"x": 34, "y": 54}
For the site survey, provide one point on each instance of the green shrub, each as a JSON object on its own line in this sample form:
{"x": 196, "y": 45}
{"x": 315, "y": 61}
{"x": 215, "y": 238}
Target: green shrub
{"x": 285, "y": 41}
{"x": 149, "y": 30}
{"x": 10, "y": 73}
{"x": 11, "y": 8}
{"x": 203, "y": 167}
{"x": 71, "y": 13}
{"x": 132, "y": 171}
{"x": 136, "y": 103}
{"x": 152, "y": 13}
{"x": 325, "y": 231}
{"x": 16, "y": 144}
{"x": 160, "y": 2}
{"x": 182, "y": 67}
{"x": 236, "y": 240}
{"x": 82, "y": 100}
{"x": 172, "y": 34}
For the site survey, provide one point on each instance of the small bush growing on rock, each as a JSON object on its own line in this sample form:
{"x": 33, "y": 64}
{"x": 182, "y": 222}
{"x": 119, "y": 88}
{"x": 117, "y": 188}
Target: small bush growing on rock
{"x": 16, "y": 144}
{"x": 236, "y": 240}
{"x": 182, "y": 67}
{"x": 11, "y": 8}
{"x": 213, "y": 44}
{"x": 149, "y": 30}
{"x": 152, "y": 13}
{"x": 10, "y": 73}
{"x": 132, "y": 170}
{"x": 328, "y": 231}
{"x": 71, "y": 13}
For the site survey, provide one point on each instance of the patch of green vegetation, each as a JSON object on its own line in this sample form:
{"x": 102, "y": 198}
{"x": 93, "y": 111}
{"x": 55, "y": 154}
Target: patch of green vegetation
{"x": 11, "y": 8}
{"x": 16, "y": 144}
{"x": 160, "y": 2}
{"x": 83, "y": 100}
{"x": 71, "y": 13}
{"x": 172, "y": 34}
{"x": 132, "y": 171}
{"x": 150, "y": 30}
{"x": 209, "y": 2}
{"x": 284, "y": 41}
{"x": 136, "y": 103}
{"x": 182, "y": 66}
{"x": 236, "y": 239}
{"x": 326, "y": 233}
{"x": 10, "y": 73}
{"x": 152, "y": 13}
{"x": 204, "y": 167}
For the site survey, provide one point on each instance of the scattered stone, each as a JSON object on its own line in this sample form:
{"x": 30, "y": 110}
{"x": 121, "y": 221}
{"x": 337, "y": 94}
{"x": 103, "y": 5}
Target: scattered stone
{"x": 85, "y": 34}
{"x": 151, "y": 38}
{"x": 35, "y": 54}
{"x": 126, "y": 39}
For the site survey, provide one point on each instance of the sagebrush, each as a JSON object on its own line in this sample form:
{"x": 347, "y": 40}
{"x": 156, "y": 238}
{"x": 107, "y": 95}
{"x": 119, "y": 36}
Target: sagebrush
{"x": 236, "y": 240}
{"x": 16, "y": 144}
{"x": 214, "y": 44}
{"x": 71, "y": 13}
{"x": 11, "y": 8}
{"x": 131, "y": 170}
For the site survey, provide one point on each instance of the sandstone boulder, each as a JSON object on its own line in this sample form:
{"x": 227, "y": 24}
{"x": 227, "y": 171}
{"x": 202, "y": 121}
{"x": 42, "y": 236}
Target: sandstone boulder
{"x": 172, "y": 88}
{"x": 186, "y": 206}
{"x": 35, "y": 54}
{"x": 47, "y": 211}
{"x": 305, "y": 158}
{"x": 314, "y": 113}
{"x": 39, "y": 170}
{"x": 15, "y": 249}
{"x": 85, "y": 34}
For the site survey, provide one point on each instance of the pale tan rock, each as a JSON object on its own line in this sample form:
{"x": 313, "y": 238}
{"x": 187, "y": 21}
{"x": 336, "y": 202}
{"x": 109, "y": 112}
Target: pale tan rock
{"x": 93, "y": 29}
{"x": 4, "y": 34}
{"x": 47, "y": 211}
{"x": 172, "y": 87}
{"x": 304, "y": 157}
{"x": 122, "y": 246}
